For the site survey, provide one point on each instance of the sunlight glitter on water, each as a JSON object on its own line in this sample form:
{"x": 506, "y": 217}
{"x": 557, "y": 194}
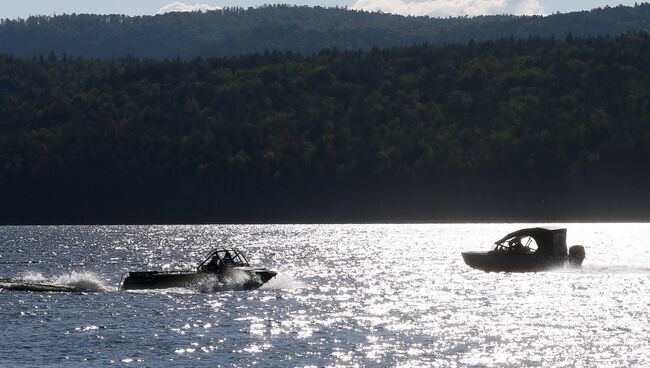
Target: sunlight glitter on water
{"x": 346, "y": 295}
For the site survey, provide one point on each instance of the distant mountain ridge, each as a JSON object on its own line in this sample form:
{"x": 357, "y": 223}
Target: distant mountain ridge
{"x": 285, "y": 28}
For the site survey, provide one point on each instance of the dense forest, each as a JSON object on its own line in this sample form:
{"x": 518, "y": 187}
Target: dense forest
{"x": 288, "y": 28}
{"x": 510, "y": 129}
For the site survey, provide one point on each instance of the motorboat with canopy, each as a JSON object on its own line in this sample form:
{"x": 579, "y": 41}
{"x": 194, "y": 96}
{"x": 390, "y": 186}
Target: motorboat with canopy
{"x": 526, "y": 250}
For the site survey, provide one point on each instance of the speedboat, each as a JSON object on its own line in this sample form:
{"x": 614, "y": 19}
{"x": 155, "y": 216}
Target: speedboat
{"x": 527, "y": 250}
{"x": 220, "y": 266}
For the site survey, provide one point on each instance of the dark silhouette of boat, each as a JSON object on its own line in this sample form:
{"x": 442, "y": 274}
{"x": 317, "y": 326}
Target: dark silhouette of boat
{"x": 220, "y": 267}
{"x": 527, "y": 250}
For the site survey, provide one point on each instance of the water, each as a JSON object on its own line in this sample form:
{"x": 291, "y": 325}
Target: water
{"x": 346, "y": 295}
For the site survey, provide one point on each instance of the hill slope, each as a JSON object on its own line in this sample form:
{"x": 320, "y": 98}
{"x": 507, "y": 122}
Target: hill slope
{"x": 530, "y": 129}
{"x": 287, "y": 28}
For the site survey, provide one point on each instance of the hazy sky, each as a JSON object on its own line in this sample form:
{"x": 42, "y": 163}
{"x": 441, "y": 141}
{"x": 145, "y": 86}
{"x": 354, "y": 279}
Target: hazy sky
{"x": 24, "y": 8}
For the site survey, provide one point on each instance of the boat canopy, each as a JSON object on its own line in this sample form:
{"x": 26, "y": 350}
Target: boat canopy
{"x": 551, "y": 241}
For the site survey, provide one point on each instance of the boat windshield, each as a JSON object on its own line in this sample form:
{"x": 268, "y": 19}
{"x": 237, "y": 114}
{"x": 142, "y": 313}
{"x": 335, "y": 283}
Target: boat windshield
{"x": 515, "y": 245}
{"x": 223, "y": 258}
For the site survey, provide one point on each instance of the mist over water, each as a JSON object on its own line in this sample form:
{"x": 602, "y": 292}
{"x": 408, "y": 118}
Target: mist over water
{"x": 345, "y": 295}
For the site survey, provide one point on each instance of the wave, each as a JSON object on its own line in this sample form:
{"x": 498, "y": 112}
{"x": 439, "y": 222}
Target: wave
{"x": 604, "y": 269}
{"x": 616, "y": 269}
{"x": 71, "y": 282}
{"x": 283, "y": 281}
{"x": 232, "y": 280}
{"x": 237, "y": 280}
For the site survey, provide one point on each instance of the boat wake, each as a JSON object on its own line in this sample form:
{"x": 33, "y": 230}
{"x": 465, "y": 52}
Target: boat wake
{"x": 616, "y": 269}
{"x": 73, "y": 282}
{"x": 283, "y": 281}
{"x": 236, "y": 280}
{"x": 604, "y": 269}
{"x": 79, "y": 282}
{"x": 231, "y": 280}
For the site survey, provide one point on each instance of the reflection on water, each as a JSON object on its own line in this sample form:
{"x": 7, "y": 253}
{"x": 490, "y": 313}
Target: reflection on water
{"x": 346, "y": 295}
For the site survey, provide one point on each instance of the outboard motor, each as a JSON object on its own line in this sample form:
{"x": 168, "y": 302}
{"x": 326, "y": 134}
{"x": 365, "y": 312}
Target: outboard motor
{"x": 576, "y": 255}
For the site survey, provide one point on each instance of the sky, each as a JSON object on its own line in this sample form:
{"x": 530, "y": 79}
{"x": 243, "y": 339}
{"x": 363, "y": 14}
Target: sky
{"x": 436, "y": 8}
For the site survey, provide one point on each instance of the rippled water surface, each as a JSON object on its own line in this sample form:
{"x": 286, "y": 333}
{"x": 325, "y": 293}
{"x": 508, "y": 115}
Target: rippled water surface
{"x": 346, "y": 295}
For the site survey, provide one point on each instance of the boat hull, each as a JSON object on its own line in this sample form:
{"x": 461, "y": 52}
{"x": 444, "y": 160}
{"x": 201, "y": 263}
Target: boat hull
{"x": 491, "y": 262}
{"x": 254, "y": 278}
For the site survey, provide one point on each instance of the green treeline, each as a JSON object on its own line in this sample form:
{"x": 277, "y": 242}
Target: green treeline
{"x": 509, "y": 129}
{"x": 237, "y": 31}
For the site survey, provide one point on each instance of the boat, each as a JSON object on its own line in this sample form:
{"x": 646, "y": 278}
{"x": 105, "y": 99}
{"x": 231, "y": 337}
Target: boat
{"x": 528, "y": 250}
{"x": 221, "y": 266}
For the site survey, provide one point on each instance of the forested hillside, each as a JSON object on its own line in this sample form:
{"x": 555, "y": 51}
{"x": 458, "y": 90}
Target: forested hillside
{"x": 288, "y": 28}
{"x": 510, "y": 129}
